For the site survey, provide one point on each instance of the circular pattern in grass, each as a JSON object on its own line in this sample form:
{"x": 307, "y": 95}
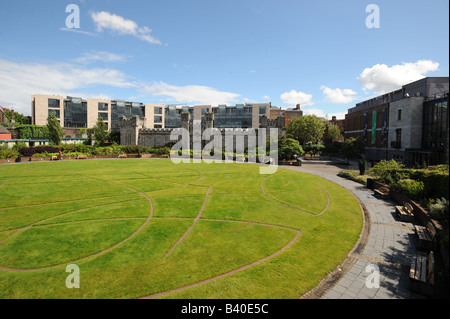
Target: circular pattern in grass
{"x": 151, "y": 228}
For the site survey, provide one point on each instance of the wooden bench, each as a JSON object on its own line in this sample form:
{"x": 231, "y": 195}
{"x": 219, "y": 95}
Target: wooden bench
{"x": 427, "y": 236}
{"x": 421, "y": 274}
{"x": 122, "y": 156}
{"x": 54, "y": 158}
{"x": 405, "y": 212}
{"x": 81, "y": 157}
{"x": 382, "y": 192}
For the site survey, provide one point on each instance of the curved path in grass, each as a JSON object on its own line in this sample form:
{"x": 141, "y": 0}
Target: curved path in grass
{"x": 228, "y": 273}
{"x": 239, "y": 221}
{"x": 197, "y": 218}
{"x": 93, "y": 255}
{"x": 296, "y": 207}
{"x": 192, "y": 226}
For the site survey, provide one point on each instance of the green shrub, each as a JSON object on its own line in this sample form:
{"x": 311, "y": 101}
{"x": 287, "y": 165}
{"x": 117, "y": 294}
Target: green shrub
{"x": 6, "y": 154}
{"x": 439, "y": 210}
{"x": 362, "y": 166}
{"x": 384, "y": 170}
{"x": 411, "y": 188}
{"x": 348, "y": 174}
{"x": 162, "y": 151}
{"x": 36, "y": 131}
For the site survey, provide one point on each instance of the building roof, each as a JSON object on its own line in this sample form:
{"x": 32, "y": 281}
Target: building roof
{"x": 3, "y": 130}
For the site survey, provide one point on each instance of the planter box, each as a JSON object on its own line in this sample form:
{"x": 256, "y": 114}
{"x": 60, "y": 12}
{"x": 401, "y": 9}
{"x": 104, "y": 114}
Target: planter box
{"x": 146, "y": 155}
{"x": 294, "y": 163}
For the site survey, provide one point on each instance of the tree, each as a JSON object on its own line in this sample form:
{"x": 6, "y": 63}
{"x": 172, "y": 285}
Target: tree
{"x": 288, "y": 148}
{"x": 114, "y": 137}
{"x": 353, "y": 148}
{"x": 306, "y": 129}
{"x": 314, "y": 149}
{"x": 100, "y": 131}
{"x": 18, "y": 117}
{"x": 333, "y": 132}
{"x": 55, "y": 132}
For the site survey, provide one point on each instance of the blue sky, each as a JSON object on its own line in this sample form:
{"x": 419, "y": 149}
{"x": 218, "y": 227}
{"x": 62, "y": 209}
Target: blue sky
{"x": 319, "y": 53}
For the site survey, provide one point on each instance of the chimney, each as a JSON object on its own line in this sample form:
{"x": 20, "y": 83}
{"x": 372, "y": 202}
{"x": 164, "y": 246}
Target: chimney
{"x": 333, "y": 118}
{"x": 297, "y": 107}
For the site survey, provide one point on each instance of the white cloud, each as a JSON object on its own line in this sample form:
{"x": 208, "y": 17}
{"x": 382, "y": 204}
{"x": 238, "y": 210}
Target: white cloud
{"x": 105, "y": 20}
{"x": 101, "y": 56}
{"x": 293, "y": 97}
{"x": 322, "y": 113}
{"x": 191, "y": 94}
{"x": 382, "y": 79}
{"x": 266, "y": 97}
{"x": 339, "y": 95}
{"x": 18, "y": 81}
{"x": 78, "y": 31}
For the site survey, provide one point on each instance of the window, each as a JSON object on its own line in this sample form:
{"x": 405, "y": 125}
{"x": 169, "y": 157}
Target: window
{"x": 158, "y": 119}
{"x": 158, "y": 126}
{"x": 102, "y": 106}
{"x": 399, "y": 115}
{"x": 158, "y": 110}
{"x": 56, "y": 112}
{"x": 53, "y": 103}
{"x": 262, "y": 110}
{"x": 398, "y": 134}
{"x": 104, "y": 116}
{"x": 75, "y": 113}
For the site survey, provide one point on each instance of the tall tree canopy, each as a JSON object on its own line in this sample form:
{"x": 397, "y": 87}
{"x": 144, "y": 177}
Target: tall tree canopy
{"x": 306, "y": 129}
{"x": 55, "y": 132}
{"x": 100, "y": 131}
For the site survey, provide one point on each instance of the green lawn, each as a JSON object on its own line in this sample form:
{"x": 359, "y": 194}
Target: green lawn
{"x": 134, "y": 228}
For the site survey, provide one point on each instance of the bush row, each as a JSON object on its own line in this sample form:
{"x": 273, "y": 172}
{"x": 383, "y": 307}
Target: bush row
{"x": 348, "y": 174}
{"x": 81, "y": 149}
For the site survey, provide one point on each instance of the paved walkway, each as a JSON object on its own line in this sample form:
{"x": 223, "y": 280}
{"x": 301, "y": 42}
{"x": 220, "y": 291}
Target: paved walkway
{"x": 386, "y": 243}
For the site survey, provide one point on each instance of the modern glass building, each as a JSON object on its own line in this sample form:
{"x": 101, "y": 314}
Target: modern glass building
{"x": 76, "y": 112}
{"x": 127, "y": 109}
{"x": 233, "y": 116}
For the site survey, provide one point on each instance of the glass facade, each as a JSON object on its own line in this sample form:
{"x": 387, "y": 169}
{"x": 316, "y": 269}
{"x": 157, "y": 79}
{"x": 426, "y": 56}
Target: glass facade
{"x": 435, "y": 122}
{"x": 56, "y": 112}
{"x": 157, "y": 119}
{"x": 172, "y": 117}
{"x": 238, "y": 116}
{"x": 104, "y": 116}
{"x": 75, "y": 113}
{"x": 128, "y": 109}
{"x": 102, "y": 106}
{"x": 53, "y": 103}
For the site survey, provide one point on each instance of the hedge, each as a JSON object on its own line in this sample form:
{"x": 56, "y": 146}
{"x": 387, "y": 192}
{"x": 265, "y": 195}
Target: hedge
{"x": 435, "y": 180}
{"x": 35, "y": 131}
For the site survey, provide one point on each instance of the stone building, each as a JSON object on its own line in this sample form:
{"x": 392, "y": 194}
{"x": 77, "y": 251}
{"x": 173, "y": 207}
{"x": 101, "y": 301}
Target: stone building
{"x": 409, "y": 125}
{"x": 133, "y": 132}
